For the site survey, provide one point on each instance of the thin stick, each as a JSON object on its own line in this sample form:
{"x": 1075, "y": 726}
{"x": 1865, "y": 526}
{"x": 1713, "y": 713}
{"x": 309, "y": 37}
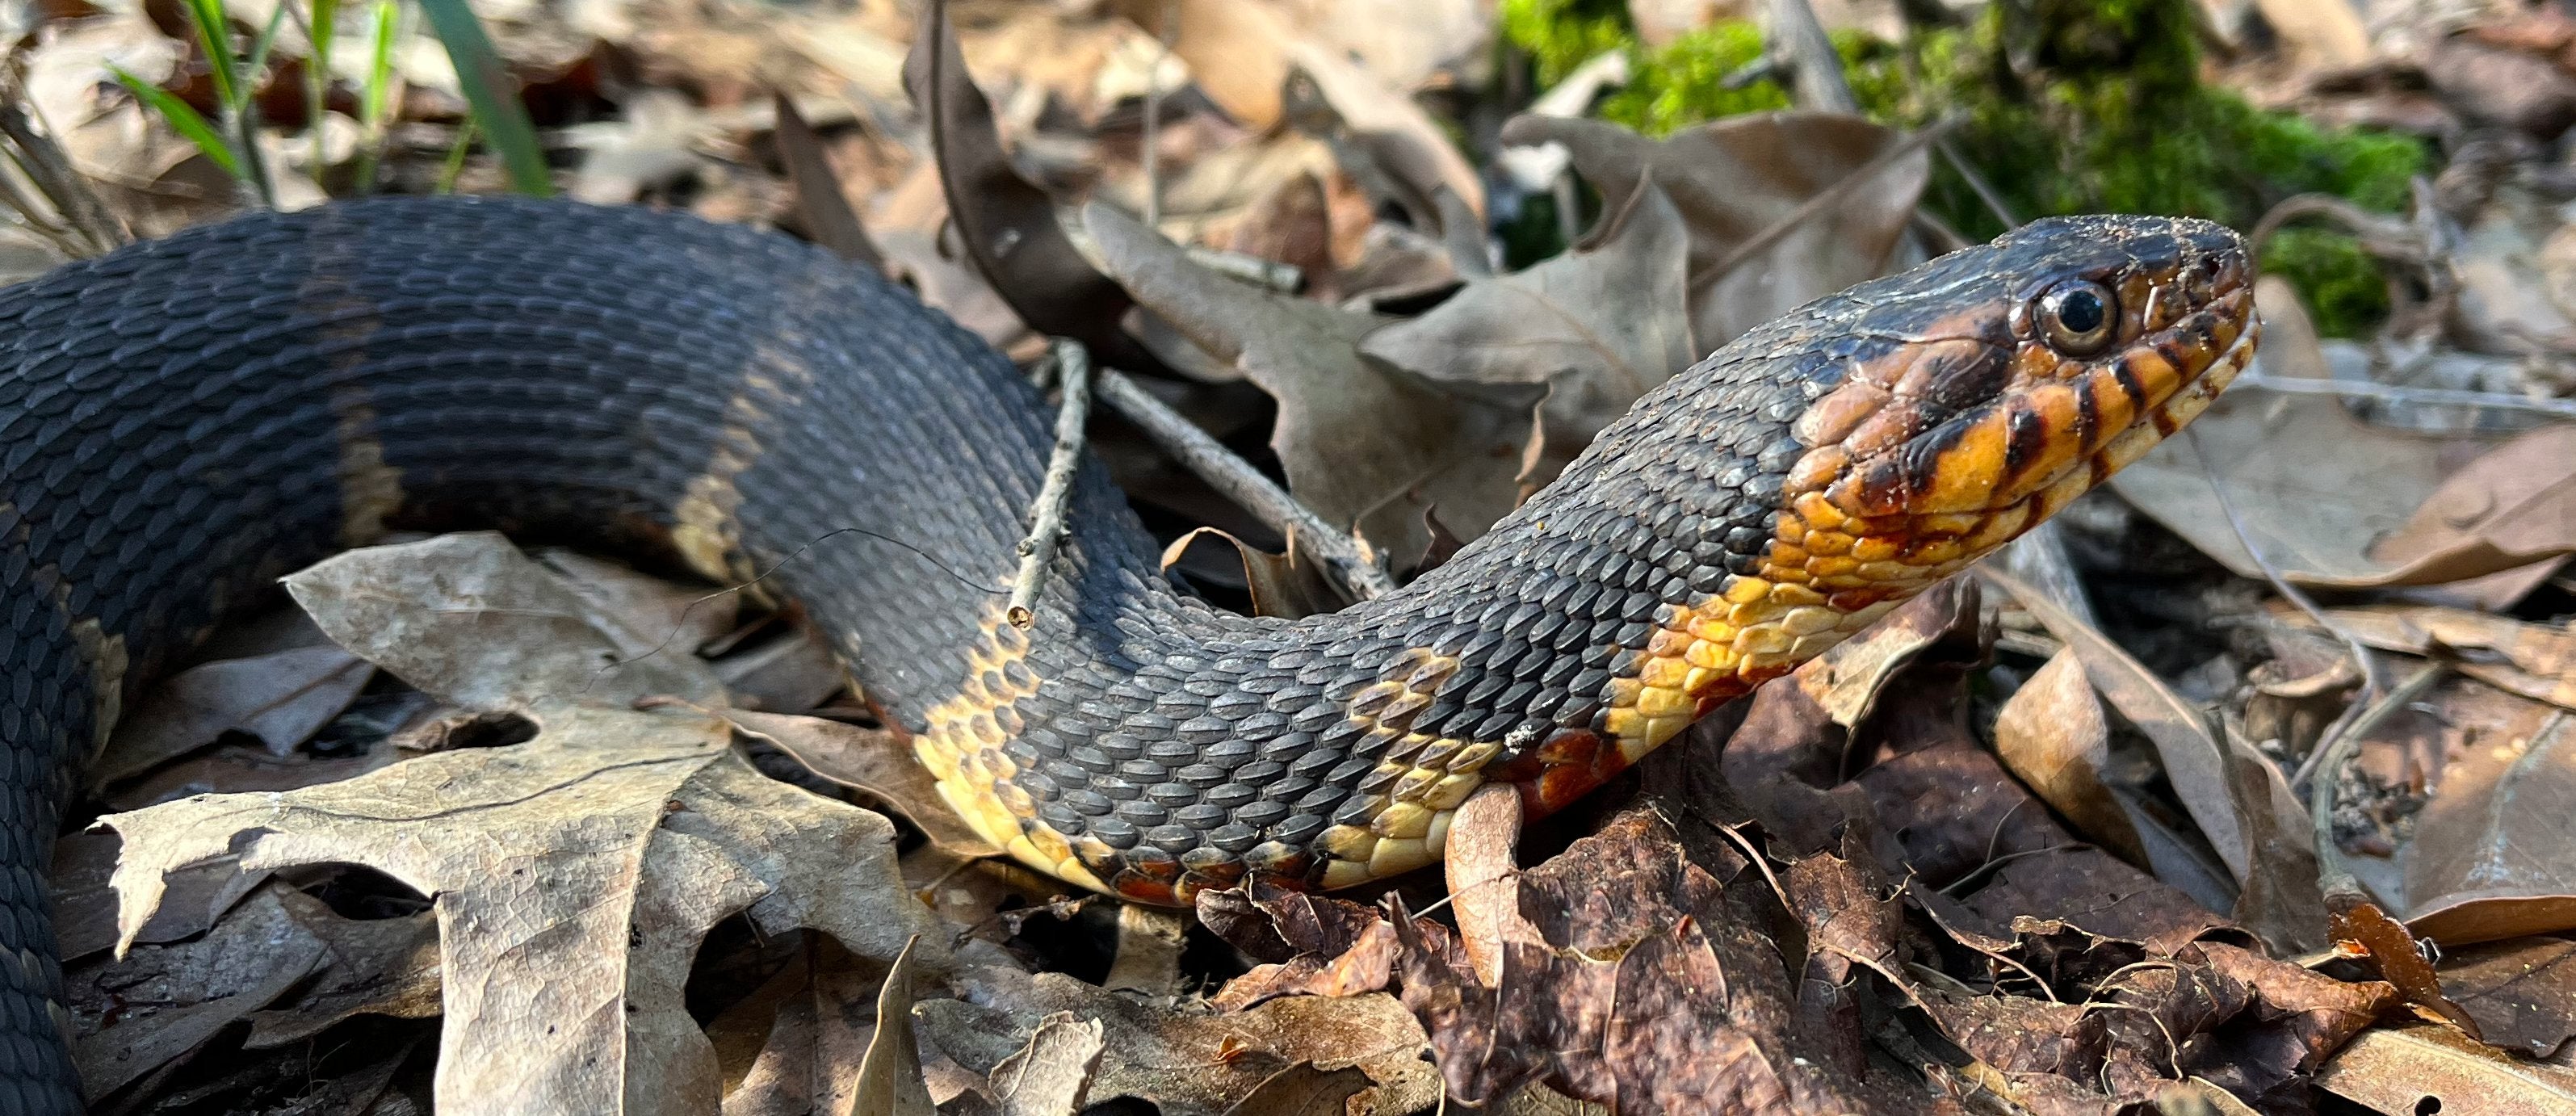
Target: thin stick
{"x": 1815, "y": 71}
{"x": 1356, "y": 571}
{"x": 1046, "y": 525}
{"x": 52, "y": 172}
{"x": 2400, "y": 393}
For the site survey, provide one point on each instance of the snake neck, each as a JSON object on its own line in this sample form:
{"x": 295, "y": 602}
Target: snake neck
{"x": 1155, "y": 746}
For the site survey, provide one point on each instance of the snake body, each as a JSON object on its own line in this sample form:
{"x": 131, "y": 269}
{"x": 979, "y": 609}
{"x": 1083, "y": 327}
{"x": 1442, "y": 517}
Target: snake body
{"x": 189, "y": 419}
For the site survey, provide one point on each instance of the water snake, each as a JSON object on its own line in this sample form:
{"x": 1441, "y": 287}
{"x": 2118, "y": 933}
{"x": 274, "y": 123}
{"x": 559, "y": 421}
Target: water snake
{"x": 188, "y": 419}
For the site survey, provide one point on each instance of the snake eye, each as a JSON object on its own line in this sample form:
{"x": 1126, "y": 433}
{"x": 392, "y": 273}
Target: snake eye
{"x": 2076, "y": 317}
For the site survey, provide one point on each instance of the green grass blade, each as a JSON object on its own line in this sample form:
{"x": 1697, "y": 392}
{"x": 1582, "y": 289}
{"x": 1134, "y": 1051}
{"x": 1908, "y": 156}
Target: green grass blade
{"x": 492, "y": 94}
{"x": 317, "y": 78}
{"x": 183, "y": 120}
{"x": 214, "y": 33}
{"x": 373, "y": 99}
{"x": 455, "y": 165}
{"x": 259, "y": 51}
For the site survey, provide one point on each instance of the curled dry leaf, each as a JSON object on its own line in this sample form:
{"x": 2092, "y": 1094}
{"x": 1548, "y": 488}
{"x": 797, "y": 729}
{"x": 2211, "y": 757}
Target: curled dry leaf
{"x": 1188, "y": 1063}
{"x": 470, "y": 619}
{"x": 2489, "y": 856}
{"x": 2052, "y": 734}
{"x": 889, "y": 1079}
{"x": 573, "y": 877}
{"x": 872, "y": 760}
{"x": 1733, "y": 179}
{"x": 282, "y": 697}
{"x": 164, "y": 1001}
{"x": 1599, "y": 325}
{"x": 2242, "y": 803}
{"x": 1362, "y": 444}
{"x": 1380, "y": 134}
{"x": 2537, "y": 661}
{"x": 1007, "y": 224}
{"x": 1282, "y": 585}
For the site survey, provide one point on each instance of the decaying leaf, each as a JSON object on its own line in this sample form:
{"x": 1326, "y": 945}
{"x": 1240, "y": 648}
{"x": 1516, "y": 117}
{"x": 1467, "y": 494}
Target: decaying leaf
{"x": 573, "y": 877}
{"x": 793, "y": 1047}
{"x": 1361, "y": 443}
{"x": 177, "y": 996}
{"x": 470, "y": 619}
{"x": 1187, "y": 1063}
{"x": 1283, "y": 585}
{"x": 2409, "y": 1071}
{"x": 2522, "y": 992}
{"x": 1733, "y": 179}
{"x": 1599, "y": 325}
{"x": 2494, "y": 839}
{"x": 281, "y": 697}
{"x": 1008, "y": 225}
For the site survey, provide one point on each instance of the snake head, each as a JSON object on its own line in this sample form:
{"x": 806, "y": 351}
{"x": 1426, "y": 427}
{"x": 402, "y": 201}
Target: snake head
{"x": 1996, "y": 385}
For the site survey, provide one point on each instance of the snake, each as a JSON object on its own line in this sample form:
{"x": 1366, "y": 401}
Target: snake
{"x": 186, "y": 420}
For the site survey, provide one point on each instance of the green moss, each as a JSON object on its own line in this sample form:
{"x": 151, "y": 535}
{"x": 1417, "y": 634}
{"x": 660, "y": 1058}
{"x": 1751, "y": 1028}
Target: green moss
{"x": 2065, "y": 106}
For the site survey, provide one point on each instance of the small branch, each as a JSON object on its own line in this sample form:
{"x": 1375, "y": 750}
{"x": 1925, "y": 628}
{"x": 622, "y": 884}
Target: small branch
{"x": 1046, "y": 526}
{"x": 2401, "y": 393}
{"x": 1815, "y": 71}
{"x": 1242, "y": 267}
{"x": 52, "y": 172}
{"x": 1356, "y": 571}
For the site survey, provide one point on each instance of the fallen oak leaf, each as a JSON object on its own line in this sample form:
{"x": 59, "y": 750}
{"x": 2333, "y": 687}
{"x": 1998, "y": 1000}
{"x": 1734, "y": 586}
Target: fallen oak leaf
{"x": 872, "y": 760}
{"x": 469, "y": 619}
{"x": 164, "y": 1001}
{"x": 2409, "y": 1071}
{"x": 573, "y": 876}
{"x": 1050, "y": 1076}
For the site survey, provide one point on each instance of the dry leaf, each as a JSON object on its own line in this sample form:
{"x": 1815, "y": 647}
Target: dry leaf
{"x": 819, "y": 202}
{"x": 2336, "y": 503}
{"x": 2497, "y": 831}
{"x": 2537, "y": 661}
{"x": 889, "y": 1080}
{"x": 1050, "y": 1076}
{"x": 1303, "y": 1090}
{"x": 470, "y": 619}
{"x": 1008, "y": 225}
{"x": 873, "y": 760}
{"x": 2522, "y": 992}
{"x": 573, "y": 877}
{"x": 1360, "y": 442}
{"x": 1599, "y": 325}
{"x": 165, "y": 1000}
{"x": 1281, "y": 585}
{"x": 2411, "y": 1071}
{"x": 793, "y": 1047}
{"x": 282, "y": 697}
{"x": 1734, "y": 179}
{"x": 1187, "y": 1063}
{"x": 2052, "y": 734}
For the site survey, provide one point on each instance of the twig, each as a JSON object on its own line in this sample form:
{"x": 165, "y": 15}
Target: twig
{"x": 1046, "y": 524}
{"x": 1815, "y": 71}
{"x": 1285, "y": 278}
{"x": 1985, "y": 191}
{"x": 2374, "y": 680}
{"x": 2400, "y": 393}
{"x": 52, "y": 172}
{"x": 1356, "y": 571}
{"x": 1828, "y": 197}
{"x": 2328, "y": 760}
